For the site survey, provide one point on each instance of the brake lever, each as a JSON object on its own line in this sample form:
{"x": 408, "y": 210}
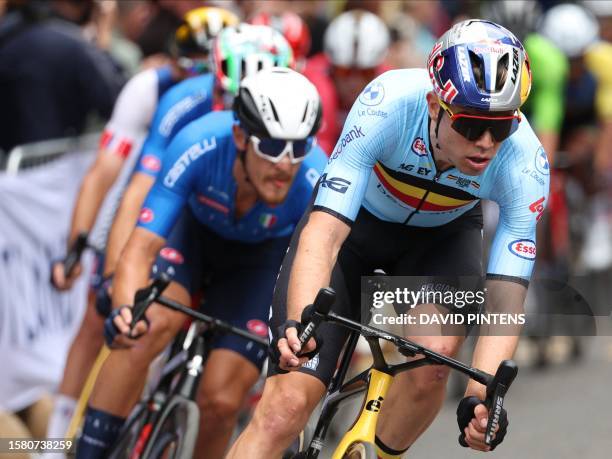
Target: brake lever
{"x": 496, "y": 392}
{"x": 145, "y": 296}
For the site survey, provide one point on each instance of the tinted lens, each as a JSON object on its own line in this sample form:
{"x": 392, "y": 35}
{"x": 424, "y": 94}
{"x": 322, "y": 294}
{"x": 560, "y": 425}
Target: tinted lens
{"x": 272, "y": 147}
{"x": 473, "y": 128}
{"x": 302, "y": 147}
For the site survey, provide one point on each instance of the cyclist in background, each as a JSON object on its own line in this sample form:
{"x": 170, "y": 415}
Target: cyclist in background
{"x": 293, "y": 28}
{"x": 232, "y": 188}
{"x": 356, "y": 43}
{"x": 237, "y": 52}
{"x": 402, "y": 192}
{"x": 587, "y": 131}
{"x": 107, "y": 178}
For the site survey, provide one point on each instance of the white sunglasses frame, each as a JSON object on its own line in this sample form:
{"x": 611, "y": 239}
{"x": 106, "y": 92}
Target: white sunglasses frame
{"x": 288, "y": 150}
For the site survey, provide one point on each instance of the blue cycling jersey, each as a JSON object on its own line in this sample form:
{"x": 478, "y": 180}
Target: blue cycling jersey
{"x": 383, "y": 162}
{"x": 198, "y": 170}
{"x": 180, "y": 105}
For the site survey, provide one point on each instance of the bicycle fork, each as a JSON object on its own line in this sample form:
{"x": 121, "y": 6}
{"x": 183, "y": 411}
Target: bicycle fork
{"x": 364, "y": 427}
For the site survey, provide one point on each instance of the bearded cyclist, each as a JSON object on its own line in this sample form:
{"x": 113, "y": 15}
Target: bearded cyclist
{"x": 402, "y": 191}
{"x": 237, "y": 52}
{"x": 103, "y": 184}
{"x": 225, "y": 204}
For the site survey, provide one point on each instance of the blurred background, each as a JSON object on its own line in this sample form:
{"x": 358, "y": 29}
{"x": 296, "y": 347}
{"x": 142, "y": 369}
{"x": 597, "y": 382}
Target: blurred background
{"x": 56, "y": 95}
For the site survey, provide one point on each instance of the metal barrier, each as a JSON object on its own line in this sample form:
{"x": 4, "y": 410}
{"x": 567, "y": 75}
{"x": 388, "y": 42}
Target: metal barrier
{"x": 37, "y": 153}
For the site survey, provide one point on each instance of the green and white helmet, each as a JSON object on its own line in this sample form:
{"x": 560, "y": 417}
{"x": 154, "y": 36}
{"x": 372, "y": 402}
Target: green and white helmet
{"x": 246, "y": 49}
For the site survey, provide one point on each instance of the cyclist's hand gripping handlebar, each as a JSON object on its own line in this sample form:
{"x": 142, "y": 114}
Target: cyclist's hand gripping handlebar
{"x": 74, "y": 255}
{"x": 146, "y": 296}
{"x": 496, "y": 391}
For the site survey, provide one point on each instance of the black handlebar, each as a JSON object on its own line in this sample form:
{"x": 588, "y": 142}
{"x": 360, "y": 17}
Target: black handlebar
{"x": 312, "y": 317}
{"x": 148, "y": 295}
{"x": 74, "y": 254}
{"x": 152, "y": 294}
{"x": 496, "y": 391}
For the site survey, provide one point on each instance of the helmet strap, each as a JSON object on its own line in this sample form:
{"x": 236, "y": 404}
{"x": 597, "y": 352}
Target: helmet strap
{"x": 439, "y": 120}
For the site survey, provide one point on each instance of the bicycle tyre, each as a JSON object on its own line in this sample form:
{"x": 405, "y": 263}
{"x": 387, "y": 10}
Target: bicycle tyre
{"x": 130, "y": 433}
{"x": 175, "y": 435}
{"x": 361, "y": 450}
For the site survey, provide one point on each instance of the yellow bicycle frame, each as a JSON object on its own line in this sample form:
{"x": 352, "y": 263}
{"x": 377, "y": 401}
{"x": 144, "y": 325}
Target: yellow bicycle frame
{"x": 364, "y": 428}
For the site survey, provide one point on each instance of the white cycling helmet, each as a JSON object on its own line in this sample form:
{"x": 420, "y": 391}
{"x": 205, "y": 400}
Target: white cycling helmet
{"x": 356, "y": 39}
{"x": 279, "y": 103}
{"x": 571, "y": 28}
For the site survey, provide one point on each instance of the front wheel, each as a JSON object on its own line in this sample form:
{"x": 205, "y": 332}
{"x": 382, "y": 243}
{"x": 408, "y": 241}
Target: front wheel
{"x": 361, "y": 450}
{"x": 176, "y": 434}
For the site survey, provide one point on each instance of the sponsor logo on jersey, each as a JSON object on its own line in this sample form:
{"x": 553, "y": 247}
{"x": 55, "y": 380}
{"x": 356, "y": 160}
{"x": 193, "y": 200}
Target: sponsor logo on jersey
{"x": 541, "y": 162}
{"x": 371, "y": 112}
{"x": 419, "y": 147}
{"x": 463, "y": 182}
{"x": 178, "y": 110}
{"x": 410, "y": 167}
{"x": 351, "y": 135}
{"x": 213, "y": 204}
{"x": 523, "y": 248}
{"x": 373, "y": 94}
{"x": 151, "y": 163}
{"x": 268, "y": 220}
{"x": 537, "y": 207}
{"x": 337, "y": 184}
{"x": 533, "y": 174}
{"x": 257, "y": 327}
{"x": 189, "y": 156}
{"x": 171, "y": 255}
{"x": 146, "y": 215}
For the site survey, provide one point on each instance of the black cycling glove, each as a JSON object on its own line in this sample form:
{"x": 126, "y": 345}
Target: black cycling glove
{"x": 465, "y": 413}
{"x": 110, "y": 329}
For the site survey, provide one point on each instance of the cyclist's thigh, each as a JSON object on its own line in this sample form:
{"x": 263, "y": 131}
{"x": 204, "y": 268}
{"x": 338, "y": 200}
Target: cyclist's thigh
{"x": 346, "y": 272}
{"x": 242, "y": 294}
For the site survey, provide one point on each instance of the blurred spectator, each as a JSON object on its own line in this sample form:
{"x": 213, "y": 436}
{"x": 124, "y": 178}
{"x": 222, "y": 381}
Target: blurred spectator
{"x": 51, "y": 78}
{"x": 356, "y": 43}
{"x": 158, "y": 32}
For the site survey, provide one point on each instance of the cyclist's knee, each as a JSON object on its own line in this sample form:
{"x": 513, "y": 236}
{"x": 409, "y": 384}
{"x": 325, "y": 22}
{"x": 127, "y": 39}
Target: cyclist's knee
{"x": 282, "y": 412}
{"x": 431, "y": 380}
{"x": 219, "y": 408}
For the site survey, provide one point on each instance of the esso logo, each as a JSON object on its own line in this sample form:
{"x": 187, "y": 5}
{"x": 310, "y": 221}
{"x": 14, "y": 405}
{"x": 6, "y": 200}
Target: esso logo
{"x": 257, "y": 327}
{"x": 151, "y": 163}
{"x": 419, "y": 147}
{"x": 146, "y": 215}
{"x": 523, "y": 248}
{"x": 171, "y": 255}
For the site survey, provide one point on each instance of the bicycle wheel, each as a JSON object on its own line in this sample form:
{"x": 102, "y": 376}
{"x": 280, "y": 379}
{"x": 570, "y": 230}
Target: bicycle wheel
{"x": 133, "y": 431}
{"x": 361, "y": 450}
{"x": 175, "y": 435}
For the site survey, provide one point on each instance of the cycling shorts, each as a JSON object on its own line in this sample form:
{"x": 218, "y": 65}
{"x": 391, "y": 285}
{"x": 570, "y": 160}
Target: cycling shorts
{"x": 450, "y": 251}
{"x": 237, "y": 279}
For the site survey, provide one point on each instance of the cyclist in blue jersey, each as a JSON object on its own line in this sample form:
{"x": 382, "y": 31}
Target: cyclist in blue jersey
{"x": 232, "y": 188}
{"x": 237, "y": 52}
{"x": 120, "y": 146}
{"x": 402, "y": 192}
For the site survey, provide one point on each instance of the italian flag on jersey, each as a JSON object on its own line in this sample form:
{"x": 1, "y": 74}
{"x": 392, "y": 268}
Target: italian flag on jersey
{"x": 267, "y": 220}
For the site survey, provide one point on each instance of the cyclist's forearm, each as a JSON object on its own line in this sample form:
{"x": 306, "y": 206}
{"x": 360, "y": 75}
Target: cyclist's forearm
{"x": 94, "y": 188}
{"x": 125, "y": 219}
{"x": 489, "y": 352}
{"x": 134, "y": 266}
{"x": 318, "y": 248}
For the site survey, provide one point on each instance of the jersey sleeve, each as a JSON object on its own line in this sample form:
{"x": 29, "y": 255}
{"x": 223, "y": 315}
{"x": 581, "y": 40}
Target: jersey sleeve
{"x": 183, "y": 166}
{"x": 178, "y": 107}
{"x": 366, "y": 137}
{"x": 131, "y": 116}
{"x": 522, "y": 198}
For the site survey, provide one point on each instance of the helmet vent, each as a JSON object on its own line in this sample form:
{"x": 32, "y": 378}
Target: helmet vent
{"x": 502, "y": 71}
{"x": 478, "y": 70}
{"x": 305, "y": 112}
{"x": 274, "y": 110}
